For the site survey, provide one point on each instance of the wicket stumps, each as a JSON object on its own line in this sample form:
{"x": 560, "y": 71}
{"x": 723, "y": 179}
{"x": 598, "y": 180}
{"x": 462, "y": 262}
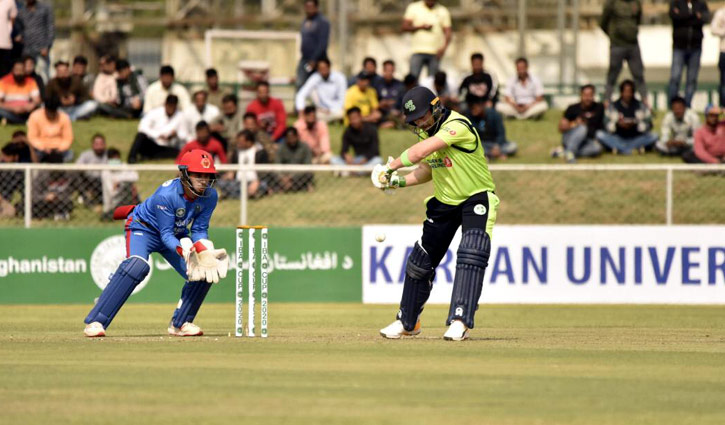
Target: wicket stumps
{"x": 251, "y": 280}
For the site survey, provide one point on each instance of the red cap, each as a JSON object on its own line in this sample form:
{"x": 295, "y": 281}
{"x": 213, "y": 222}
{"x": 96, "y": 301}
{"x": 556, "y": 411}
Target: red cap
{"x": 198, "y": 161}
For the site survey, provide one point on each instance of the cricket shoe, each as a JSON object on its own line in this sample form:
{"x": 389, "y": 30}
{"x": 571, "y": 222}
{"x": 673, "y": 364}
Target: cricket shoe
{"x": 396, "y": 330}
{"x": 456, "y": 332}
{"x": 94, "y": 330}
{"x": 187, "y": 329}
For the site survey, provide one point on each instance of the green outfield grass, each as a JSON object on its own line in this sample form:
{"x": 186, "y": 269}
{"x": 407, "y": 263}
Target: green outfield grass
{"x": 326, "y": 364}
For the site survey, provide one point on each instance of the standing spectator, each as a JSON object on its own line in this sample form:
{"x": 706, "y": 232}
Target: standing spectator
{"x": 215, "y": 94}
{"x": 362, "y": 138}
{"x": 294, "y": 152}
{"x": 370, "y": 68}
{"x": 246, "y": 152}
{"x": 229, "y": 122}
{"x": 270, "y": 112}
{"x": 443, "y": 87}
{"x": 315, "y": 134}
{"x": 8, "y": 13}
{"x": 80, "y": 70}
{"x": 315, "y": 35}
{"x": 579, "y": 127}
{"x": 29, "y": 65}
{"x": 206, "y": 142}
{"x": 363, "y": 97}
{"x": 480, "y": 86}
{"x": 327, "y": 89}
{"x": 688, "y": 17}
{"x": 119, "y": 187}
{"x": 430, "y": 24}
{"x": 89, "y": 182}
{"x": 489, "y": 126}
{"x": 18, "y": 95}
{"x": 74, "y": 98}
{"x": 620, "y": 21}
{"x": 105, "y": 87}
{"x": 390, "y": 92}
{"x": 709, "y": 140}
{"x": 17, "y": 35}
{"x": 627, "y": 123}
{"x": 38, "y": 33}
{"x": 161, "y": 132}
{"x": 199, "y": 111}
{"x": 159, "y": 91}
{"x": 260, "y": 136}
{"x": 50, "y": 131}
{"x": 524, "y": 96}
{"x": 717, "y": 26}
{"x": 130, "y": 88}
{"x": 678, "y": 129}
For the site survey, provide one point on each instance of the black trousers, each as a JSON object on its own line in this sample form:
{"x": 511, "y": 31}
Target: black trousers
{"x": 146, "y": 147}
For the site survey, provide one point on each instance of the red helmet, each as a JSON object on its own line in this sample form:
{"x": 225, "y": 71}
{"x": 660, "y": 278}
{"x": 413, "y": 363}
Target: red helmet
{"x": 198, "y": 161}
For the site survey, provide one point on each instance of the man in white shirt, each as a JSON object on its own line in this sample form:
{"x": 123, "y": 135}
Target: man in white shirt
{"x": 157, "y": 92}
{"x": 717, "y": 26}
{"x": 678, "y": 129}
{"x": 200, "y": 110}
{"x": 327, "y": 89}
{"x": 89, "y": 182}
{"x": 161, "y": 132}
{"x": 524, "y": 95}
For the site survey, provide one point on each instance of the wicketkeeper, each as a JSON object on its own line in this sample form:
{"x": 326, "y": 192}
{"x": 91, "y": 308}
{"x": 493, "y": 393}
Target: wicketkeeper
{"x": 450, "y": 153}
{"x": 161, "y": 224}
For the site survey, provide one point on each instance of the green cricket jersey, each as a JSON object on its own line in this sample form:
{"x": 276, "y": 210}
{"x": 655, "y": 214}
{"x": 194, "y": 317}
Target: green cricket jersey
{"x": 459, "y": 170}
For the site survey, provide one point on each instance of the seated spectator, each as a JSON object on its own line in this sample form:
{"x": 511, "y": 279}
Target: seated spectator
{"x": 362, "y": 138}
{"x": 215, "y": 94}
{"x": 119, "y": 187}
{"x": 260, "y": 136}
{"x": 271, "y": 116}
{"x": 89, "y": 182}
{"x": 80, "y": 71}
{"x": 369, "y": 68}
{"x": 52, "y": 190}
{"x": 245, "y": 151}
{"x": 229, "y": 122}
{"x": 579, "y": 127}
{"x": 489, "y": 126}
{"x": 25, "y": 151}
{"x": 29, "y": 63}
{"x": 199, "y": 111}
{"x": 159, "y": 91}
{"x": 627, "y": 124}
{"x": 364, "y": 98}
{"x": 444, "y": 88}
{"x": 678, "y": 129}
{"x": 50, "y": 131}
{"x": 315, "y": 134}
{"x": 161, "y": 133}
{"x": 11, "y": 181}
{"x": 74, "y": 98}
{"x": 19, "y": 95}
{"x": 205, "y": 141}
{"x": 480, "y": 86}
{"x": 390, "y": 92}
{"x": 709, "y": 145}
{"x": 294, "y": 152}
{"x": 524, "y": 95}
{"x": 409, "y": 82}
{"x": 105, "y": 87}
{"x": 130, "y": 89}
{"x": 327, "y": 89}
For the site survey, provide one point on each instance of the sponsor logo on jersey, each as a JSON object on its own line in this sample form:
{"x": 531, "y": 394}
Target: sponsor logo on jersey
{"x": 440, "y": 162}
{"x": 447, "y": 161}
{"x": 181, "y": 212}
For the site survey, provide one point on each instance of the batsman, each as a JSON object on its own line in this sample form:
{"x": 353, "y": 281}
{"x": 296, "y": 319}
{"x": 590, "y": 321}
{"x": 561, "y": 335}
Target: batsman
{"x": 161, "y": 224}
{"x": 450, "y": 153}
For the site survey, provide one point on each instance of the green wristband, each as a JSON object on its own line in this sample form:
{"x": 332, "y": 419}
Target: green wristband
{"x": 404, "y": 159}
{"x": 401, "y": 181}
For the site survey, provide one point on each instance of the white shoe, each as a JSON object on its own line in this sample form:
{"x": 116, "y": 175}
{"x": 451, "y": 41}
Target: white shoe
{"x": 187, "y": 329}
{"x": 456, "y": 332}
{"x": 94, "y": 329}
{"x": 395, "y": 330}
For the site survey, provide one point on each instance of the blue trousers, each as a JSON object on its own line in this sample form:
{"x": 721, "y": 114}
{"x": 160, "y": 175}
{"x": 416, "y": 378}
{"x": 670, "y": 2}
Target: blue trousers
{"x": 626, "y": 146}
{"x": 682, "y": 58}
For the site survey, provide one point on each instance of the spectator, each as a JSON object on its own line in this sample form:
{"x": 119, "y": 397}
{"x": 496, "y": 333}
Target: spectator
{"x": 444, "y": 88}
{"x": 38, "y": 33}
{"x": 246, "y": 152}
{"x": 119, "y": 187}
{"x": 363, "y": 97}
{"x": 524, "y": 96}
{"x": 89, "y": 184}
{"x": 489, "y": 126}
{"x": 18, "y": 95}
{"x": 229, "y": 123}
{"x": 390, "y": 92}
{"x": 410, "y": 81}
{"x": 327, "y": 89}
{"x": 17, "y": 35}
{"x": 294, "y": 152}
{"x": 362, "y": 138}
{"x": 627, "y": 123}
{"x": 480, "y": 86}
{"x": 8, "y": 13}
{"x": 199, "y": 111}
{"x": 270, "y": 112}
{"x": 74, "y": 98}
{"x": 130, "y": 89}
{"x": 215, "y": 94}
{"x": 50, "y": 131}
{"x": 688, "y": 17}
{"x": 370, "y": 68}
{"x": 105, "y": 87}
{"x": 25, "y": 151}
{"x": 80, "y": 70}
{"x": 161, "y": 132}
{"x": 709, "y": 140}
{"x": 430, "y": 24}
{"x": 159, "y": 91}
{"x": 205, "y": 141}
{"x": 29, "y": 64}
{"x": 52, "y": 191}
{"x": 579, "y": 127}
{"x": 260, "y": 136}
{"x": 717, "y": 27}
{"x": 620, "y": 21}
{"x": 315, "y": 36}
{"x": 315, "y": 134}
{"x": 678, "y": 129}
{"x": 11, "y": 181}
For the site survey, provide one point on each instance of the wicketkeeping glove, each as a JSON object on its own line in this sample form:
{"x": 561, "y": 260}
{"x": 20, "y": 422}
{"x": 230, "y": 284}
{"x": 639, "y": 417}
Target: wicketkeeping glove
{"x": 206, "y": 263}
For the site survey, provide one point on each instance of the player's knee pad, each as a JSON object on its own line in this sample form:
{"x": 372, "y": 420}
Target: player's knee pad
{"x": 192, "y": 296}
{"x": 419, "y": 274}
{"x": 473, "y": 254}
{"x": 418, "y": 266}
{"x": 129, "y": 274}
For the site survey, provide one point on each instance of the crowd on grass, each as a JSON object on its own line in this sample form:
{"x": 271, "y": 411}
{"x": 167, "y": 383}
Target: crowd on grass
{"x": 172, "y": 121}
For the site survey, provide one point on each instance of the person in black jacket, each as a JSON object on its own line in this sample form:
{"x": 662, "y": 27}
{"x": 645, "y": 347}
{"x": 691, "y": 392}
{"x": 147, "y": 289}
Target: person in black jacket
{"x": 688, "y": 17}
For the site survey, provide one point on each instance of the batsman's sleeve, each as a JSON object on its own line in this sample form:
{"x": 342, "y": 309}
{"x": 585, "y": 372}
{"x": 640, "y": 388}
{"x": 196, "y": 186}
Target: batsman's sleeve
{"x": 200, "y": 226}
{"x": 164, "y": 212}
{"x": 455, "y": 133}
